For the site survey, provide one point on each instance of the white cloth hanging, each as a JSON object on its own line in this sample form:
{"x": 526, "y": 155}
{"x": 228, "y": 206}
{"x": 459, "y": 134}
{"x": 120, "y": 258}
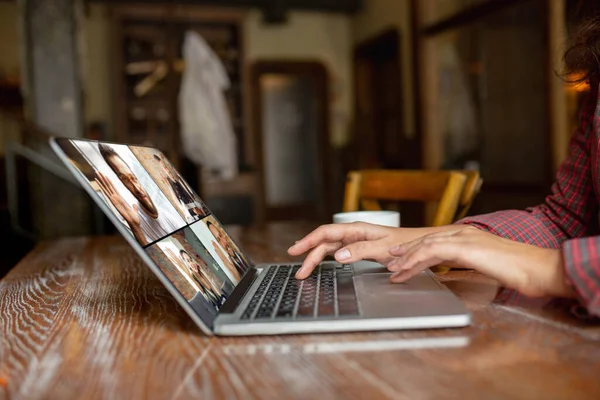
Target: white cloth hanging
{"x": 206, "y": 129}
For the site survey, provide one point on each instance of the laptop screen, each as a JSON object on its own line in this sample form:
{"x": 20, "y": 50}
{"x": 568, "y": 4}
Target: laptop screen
{"x": 166, "y": 217}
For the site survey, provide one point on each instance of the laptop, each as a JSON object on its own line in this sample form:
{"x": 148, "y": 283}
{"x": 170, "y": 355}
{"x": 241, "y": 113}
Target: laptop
{"x": 212, "y": 278}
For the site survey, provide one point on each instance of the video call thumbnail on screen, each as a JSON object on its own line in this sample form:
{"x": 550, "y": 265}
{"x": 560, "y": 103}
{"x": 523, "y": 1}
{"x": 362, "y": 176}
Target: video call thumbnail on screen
{"x": 160, "y": 210}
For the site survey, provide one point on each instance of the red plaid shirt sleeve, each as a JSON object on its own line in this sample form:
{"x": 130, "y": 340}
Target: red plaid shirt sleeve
{"x": 567, "y": 217}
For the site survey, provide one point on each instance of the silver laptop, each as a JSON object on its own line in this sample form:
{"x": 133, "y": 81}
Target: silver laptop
{"x": 214, "y": 281}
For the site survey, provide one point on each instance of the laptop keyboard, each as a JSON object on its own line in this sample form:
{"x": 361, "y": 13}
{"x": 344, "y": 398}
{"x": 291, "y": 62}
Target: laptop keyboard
{"x": 327, "y": 293}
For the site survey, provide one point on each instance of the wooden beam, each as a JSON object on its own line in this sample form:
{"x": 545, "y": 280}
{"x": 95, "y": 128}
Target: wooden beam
{"x": 269, "y": 6}
{"x": 417, "y": 62}
{"x": 275, "y": 11}
{"x": 558, "y": 118}
{"x": 467, "y": 15}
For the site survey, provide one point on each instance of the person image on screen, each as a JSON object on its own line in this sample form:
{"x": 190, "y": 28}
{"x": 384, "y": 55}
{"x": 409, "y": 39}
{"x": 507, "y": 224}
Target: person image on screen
{"x": 204, "y": 278}
{"x": 142, "y": 218}
{"x": 234, "y": 264}
{"x": 236, "y": 257}
{"x": 181, "y": 190}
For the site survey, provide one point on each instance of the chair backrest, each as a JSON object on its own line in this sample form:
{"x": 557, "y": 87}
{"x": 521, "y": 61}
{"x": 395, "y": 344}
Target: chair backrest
{"x": 364, "y": 190}
{"x": 470, "y": 191}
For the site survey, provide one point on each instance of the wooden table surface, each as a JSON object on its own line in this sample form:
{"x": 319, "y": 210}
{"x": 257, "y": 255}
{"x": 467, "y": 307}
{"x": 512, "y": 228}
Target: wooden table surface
{"x": 85, "y": 319}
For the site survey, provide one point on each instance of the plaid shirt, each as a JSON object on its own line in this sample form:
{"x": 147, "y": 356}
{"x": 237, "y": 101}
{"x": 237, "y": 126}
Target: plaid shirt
{"x": 568, "y": 218}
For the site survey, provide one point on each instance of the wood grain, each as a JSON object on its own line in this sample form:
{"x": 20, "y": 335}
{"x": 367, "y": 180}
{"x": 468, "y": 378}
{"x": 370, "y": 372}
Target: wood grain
{"x": 84, "y": 319}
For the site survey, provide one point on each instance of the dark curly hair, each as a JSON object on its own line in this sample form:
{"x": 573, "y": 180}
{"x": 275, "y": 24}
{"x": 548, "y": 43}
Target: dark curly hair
{"x": 582, "y": 59}
{"x": 107, "y": 152}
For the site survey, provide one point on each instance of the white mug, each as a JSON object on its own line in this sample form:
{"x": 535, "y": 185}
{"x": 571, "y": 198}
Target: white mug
{"x": 385, "y": 218}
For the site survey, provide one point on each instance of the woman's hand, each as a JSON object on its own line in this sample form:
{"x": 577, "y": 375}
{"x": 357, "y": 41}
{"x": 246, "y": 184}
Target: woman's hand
{"x": 531, "y": 270}
{"x": 353, "y": 242}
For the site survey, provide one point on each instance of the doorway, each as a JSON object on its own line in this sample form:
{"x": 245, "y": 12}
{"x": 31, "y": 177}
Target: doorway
{"x": 292, "y": 139}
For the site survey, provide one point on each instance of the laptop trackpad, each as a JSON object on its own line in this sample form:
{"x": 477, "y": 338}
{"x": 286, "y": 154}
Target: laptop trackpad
{"x": 380, "y": 283}
{"x": 379, "y": 297}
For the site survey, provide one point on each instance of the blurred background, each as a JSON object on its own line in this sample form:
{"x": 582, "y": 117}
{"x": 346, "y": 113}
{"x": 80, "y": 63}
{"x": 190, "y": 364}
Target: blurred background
{"x": 313, "y": 89}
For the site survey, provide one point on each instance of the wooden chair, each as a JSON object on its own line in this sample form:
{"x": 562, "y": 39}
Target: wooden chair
{"x": 470, "y": 191}
{"x": 364, "y": 190}
{"x": 454, "y": 191}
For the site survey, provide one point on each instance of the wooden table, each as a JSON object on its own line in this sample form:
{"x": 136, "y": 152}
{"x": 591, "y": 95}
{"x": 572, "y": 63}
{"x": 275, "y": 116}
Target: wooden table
{"x": 84, "y": 318}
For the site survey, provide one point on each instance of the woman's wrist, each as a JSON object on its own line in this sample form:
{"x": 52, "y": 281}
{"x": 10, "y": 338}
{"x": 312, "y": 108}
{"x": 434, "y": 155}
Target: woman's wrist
{"x": 558, "y": 283}
{"x": 404, "y": 235}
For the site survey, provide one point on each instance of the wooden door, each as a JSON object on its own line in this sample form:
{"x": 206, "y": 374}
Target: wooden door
{"x": 291, "y": 125}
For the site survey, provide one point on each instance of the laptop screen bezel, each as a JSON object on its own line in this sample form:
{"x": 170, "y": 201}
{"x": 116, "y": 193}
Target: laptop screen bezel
{"x": 205, "y": 326}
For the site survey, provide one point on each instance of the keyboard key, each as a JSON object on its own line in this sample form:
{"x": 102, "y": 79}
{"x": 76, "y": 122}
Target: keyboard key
{"x": 279, "y": 294}
{"x": 306, "y": 307}
{"x": 258, "y": 294}
{"x": 326, "y": 306}
{"x": 288, "y": 300}
{"x": 273, "y": 293}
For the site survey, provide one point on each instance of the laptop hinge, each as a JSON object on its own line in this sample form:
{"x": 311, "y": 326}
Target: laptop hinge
{"x": 238, "y": 293}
